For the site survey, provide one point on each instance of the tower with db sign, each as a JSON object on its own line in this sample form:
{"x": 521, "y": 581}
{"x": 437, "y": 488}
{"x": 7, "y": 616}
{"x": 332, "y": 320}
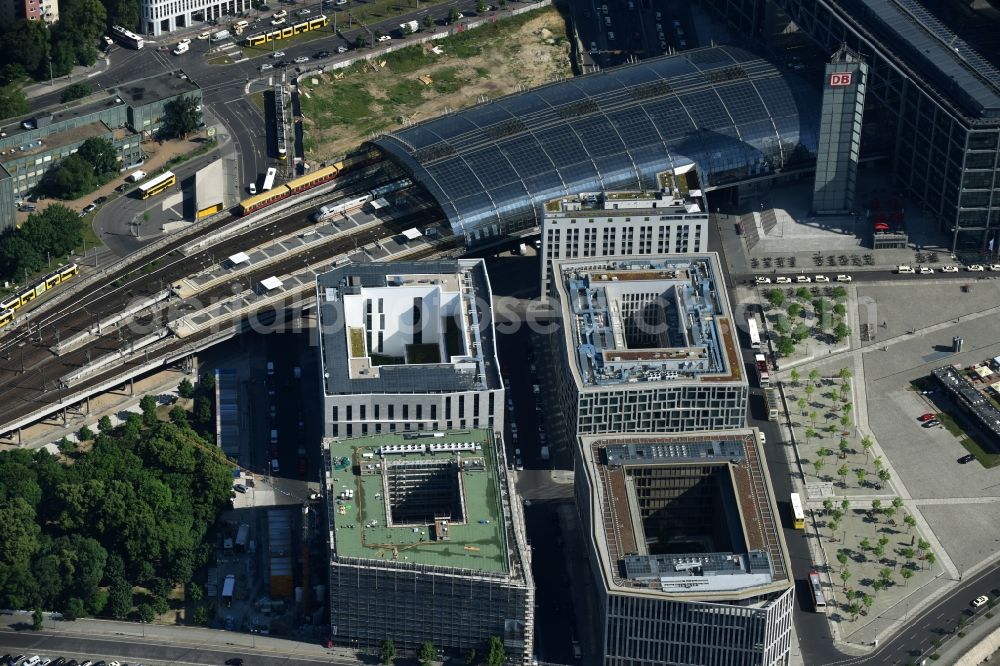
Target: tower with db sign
{"x": 840, "y": 133}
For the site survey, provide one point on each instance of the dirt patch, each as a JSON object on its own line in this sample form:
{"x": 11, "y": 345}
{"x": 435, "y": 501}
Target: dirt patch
{"x": 342, "y": 109}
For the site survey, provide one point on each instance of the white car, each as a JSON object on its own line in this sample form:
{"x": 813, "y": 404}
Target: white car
{"x": 994, "y": 267}
{"x": 183, "y": 41}
{"x": 803, "y": 278}
{"x": 903, "y": 269}
{"x": 303, "y": 12}
{"x": 821, "y": 278}
{"x": 844, "y": 278}
{"x": 975, "y": 267}
{"x": 979, "y": 602}
{"x": 278, "y": 54}
{"x": 384, "y": 38}
{"x": 341, "y": 49}
{"x": 783, "y": 280}
{"x": 266, "y": 66}
{"x": 925, "y": 270}
{"x": 763, "y": 280}
{"x": 302, "y": 59}
{"x": 949, "y": 269}
{"x": 204, "y": 35}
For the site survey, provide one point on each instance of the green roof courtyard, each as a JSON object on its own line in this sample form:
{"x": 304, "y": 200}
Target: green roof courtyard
{"x": 416, "y": 505}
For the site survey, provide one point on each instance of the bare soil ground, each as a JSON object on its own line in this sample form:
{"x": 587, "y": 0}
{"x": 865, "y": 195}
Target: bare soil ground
{"x": 342, "y": 109}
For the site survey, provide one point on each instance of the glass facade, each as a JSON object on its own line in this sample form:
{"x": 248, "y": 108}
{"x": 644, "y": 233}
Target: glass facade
{"x": 933, "y": 102}
{"x": 492, "y": 167}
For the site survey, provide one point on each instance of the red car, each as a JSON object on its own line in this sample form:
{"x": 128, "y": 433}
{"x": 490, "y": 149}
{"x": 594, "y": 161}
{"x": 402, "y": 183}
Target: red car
{"x": 926, "y": 417}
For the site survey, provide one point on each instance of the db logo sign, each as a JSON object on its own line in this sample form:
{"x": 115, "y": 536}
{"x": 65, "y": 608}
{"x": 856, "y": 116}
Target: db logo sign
{"x": 841, "y": 79}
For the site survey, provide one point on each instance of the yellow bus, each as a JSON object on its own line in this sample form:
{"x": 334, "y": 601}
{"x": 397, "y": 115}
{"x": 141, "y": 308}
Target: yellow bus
{"x": 798, "y": 516}
{"x": 155, "y": 186}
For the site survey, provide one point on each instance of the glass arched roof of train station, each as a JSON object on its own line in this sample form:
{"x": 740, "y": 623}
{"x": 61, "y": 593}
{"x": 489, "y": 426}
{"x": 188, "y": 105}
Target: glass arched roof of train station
{"x": 728, "y": 111}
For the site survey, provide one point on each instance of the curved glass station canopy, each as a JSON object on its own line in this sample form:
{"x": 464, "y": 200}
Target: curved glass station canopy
{"x": 491, "y": 167}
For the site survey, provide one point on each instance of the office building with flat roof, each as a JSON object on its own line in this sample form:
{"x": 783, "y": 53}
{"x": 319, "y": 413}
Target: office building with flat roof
{"x": 427, "y": 544}
{"x": 408, "y": 346}
{"x": 686, "y": 549}
{"x": 164, "y": 16}
{"x": 648, "y": 344}
{"x": 126, "y": 116}
{"x": 932, "y": 96}
{"x": 671, "y": 219}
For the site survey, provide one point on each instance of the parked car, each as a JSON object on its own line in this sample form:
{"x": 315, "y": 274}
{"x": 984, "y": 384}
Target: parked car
{"x": 277, "y": 54}
{"x": 763, "y": 280}
{"x": 967, "y": 458}
{"x": 949, "y": 269}
{"x": 803, "y": 278}
{"x": 99, "y": 200}
{"x": 844, "y": 278}
{"x": 926, "y": 417}
{"x": 89, "y": 208}
{"x": 903, "y": 269}
{"x": 931, "y": 423}
{"x": 341, "y": 49}
{"x": 925, "y": 270}
{"x": 979, "y": 601}
{"x": 975, "y": 268}
{"x": 266, "y": 66}
{"x": 321, "y": 54}
{"x": 821, "y": 278}
{"x": 302, "y": 59}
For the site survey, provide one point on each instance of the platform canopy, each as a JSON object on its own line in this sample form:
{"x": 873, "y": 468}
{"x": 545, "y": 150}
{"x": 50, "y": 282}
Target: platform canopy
{"x": 271, "y": 283}
{"x": 239, "y": 258}
{"x": 412, "y": 234}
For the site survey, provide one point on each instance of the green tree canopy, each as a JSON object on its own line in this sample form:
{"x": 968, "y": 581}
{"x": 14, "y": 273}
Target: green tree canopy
{"x": 71, "y": 178}
{"x": 102, "y": 154}
{"x": 181, "y": 116}
{"x": 75, "y": 91}
{"x": 12, "y": 101}
{"x": 495, "y": 655}
{"x": 28, "y": 43}
{"x": 427, "y": 654}
{"x": 387, "y": 651}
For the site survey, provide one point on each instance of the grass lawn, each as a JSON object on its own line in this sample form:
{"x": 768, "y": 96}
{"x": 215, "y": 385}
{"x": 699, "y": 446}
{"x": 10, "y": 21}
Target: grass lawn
{"x": 983, "y": 454}
{"x": 357, "y": 342}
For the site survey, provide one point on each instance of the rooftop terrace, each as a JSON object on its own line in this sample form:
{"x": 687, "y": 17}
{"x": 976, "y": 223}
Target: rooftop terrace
{"x": 686, "y": 515}
{"x": 659, "y": 319}
{"x": 431, "y": 499}
{"x": 408, "y": 327}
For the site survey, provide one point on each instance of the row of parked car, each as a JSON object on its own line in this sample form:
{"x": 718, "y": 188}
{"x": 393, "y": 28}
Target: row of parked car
{"x": 22, "y": 660}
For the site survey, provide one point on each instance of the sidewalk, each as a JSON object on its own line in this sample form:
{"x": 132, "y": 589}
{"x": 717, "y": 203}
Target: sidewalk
{"x": 79, "y": 74}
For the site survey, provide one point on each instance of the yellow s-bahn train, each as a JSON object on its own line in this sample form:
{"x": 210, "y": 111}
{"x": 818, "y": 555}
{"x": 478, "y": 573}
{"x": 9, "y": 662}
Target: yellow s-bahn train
{"x": 303, "y": 183}
{"x": 285, "y": 32}
{"x": 9, "y": 305}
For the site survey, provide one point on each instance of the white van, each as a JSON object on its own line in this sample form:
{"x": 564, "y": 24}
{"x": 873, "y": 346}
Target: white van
{"x": 136, "y": 176}
{"x": 242, "y": 25}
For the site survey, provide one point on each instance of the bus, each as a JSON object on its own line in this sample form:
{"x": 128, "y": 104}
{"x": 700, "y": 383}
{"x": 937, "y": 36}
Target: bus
{"x": 798, "y": 517}
{"x": 754, "y": 333}
{"x": 126, "y": 37}
{"x": 816, "y": 593}
{"x": 269, "y": 179}
{"x": 771, "y": 403}
{"x": 161, "y": 183}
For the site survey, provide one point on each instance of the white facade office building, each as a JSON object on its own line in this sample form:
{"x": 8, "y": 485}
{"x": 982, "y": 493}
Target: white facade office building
{"x": 648, "y": 344}
{"x": 164, "y": 16}
{"x": 603, "y": 224}
{"x": 408, "y": 346}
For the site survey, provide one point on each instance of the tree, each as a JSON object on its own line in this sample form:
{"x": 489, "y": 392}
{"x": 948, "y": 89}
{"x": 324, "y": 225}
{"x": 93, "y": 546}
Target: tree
{"x": 923, "y": 546}
{"x": 73, "y": 609}
{"x": 13, "y": 101}
{"x": 802, "y": 293}
{"x": 841, "y": 331}
{"x": 123, "y": 12}
{"x": 37, "y": 619}
{"x": 846, "y": 408}
{"x": 181, "y": 116}
{"x": 800, "y": 333}
{"x": 75, "y": 91}
{"x": 794, "y": 310}
{"x": 104, "y": 424}
{"x": 71, "y": 178}
{"x": 867, "y": 443}
{"x": 842, "y": 472}
{"x": 844, "y": 447}
{"x": 802, "y": 405}
{"x": 387, "y": 651}
{"x": 845, "y": 421}
{"x": 845, "y": 373}
{"x": 429, "y": 23}
{"x": 360, "y": 42}
{"x": 27, "y": 43}
{"x": 845, "y": 505}
{"x": 776, "y": 298}
{"x": 66, "y": 446}
{"x": 185, "y": 389}
{"x": 813, "y": 375}
{"x": 495, "y": 655}
{"x": 786, "y": 346}
{"x": 427, "y": 654}
{"x": 839, "y": 293}
{"x": 102, "y": 154}
{"x": 470, "y": 658}
{"x": 824, "y": 452}
{"x": 194, "y": 591}
{"x": 889, "y": 512}
{"x": 82, "y": 23}
{"x": 810, "y": 434}
{"x": 865, "y": 544}
{"x": 120, "y": 598}
{"x": 813, "y": 415}
{"x": 818, "y": 465}
{"x": 178, "y": 415}
{"x": 148, "y": 406}
{"x": 861, "y": 473}
{"x": 452, "y": 15}
{"x": 85, "y": 434}
{"x": 201, "y": 616}
{"x": 910, "y": 522}
{"x": 481, "y": 6}
{"x": 827, "y": 506}
{"x": 842, "y": 558}
{"x": 886, "y": 575}
{"x": 794, "y": 376}
{"x": 868, "y": 600}
{"x": 145, "y": 613}
{"x": 930, "y": 558}
{"x": 810, "y": 389}
{"x": 839, "y": 309}
{"x": 845, "y": 575}
{"x": 883, "y": 478}
{"x": 897, "y": 502}
{"x": 782, "y": 326}
{"x": 854, "y": 609}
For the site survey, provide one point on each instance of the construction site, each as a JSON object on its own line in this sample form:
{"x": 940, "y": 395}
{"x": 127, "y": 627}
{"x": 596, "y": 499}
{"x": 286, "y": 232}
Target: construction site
{"x": 426, "y": 544}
